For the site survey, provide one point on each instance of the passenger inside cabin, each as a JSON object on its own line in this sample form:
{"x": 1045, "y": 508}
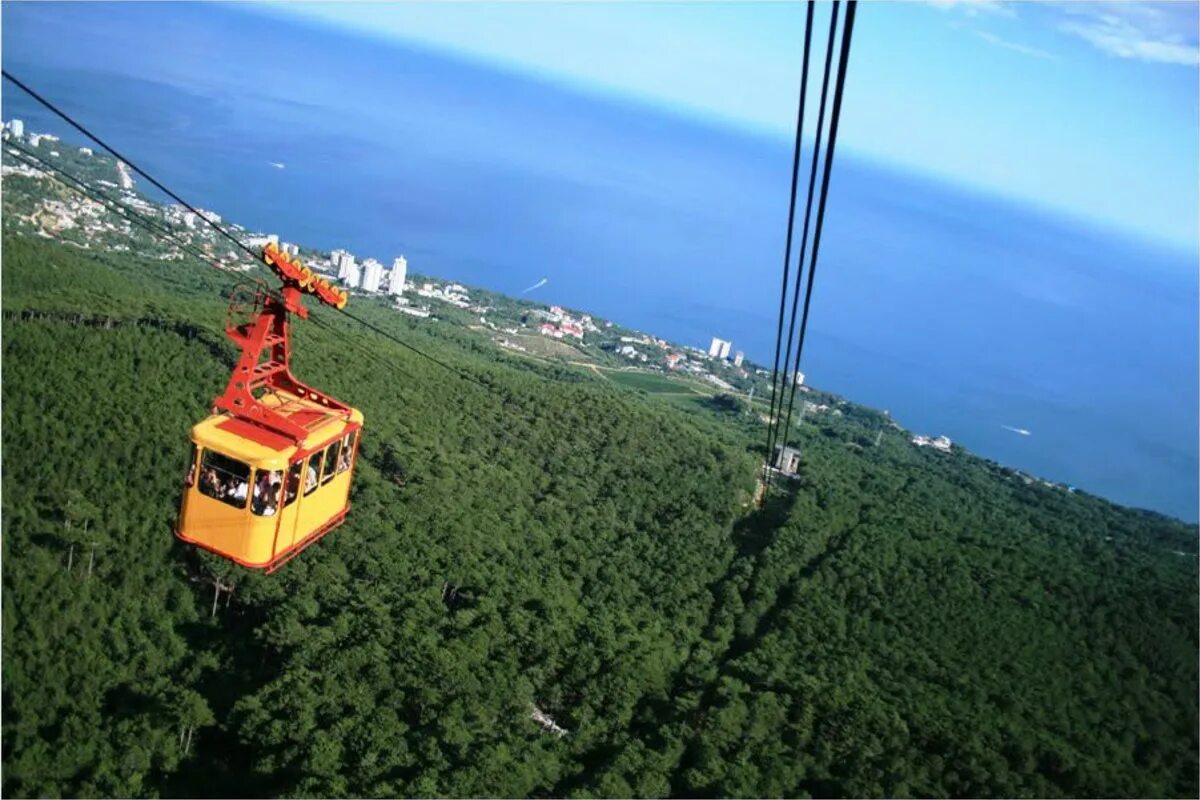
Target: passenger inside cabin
{"x": 210, "y": 484}
{"x": 273, "y": 497}
{"x": 266, "y": 492}
{"x": 189, "y": 477}
{"x": 293, "y": 483}
{"x": 313, "y": 475}
{"x": 225, "y": 479}
{"x": 237, "y": 491}
{"x": 262, "y": 494}
{"x": 347, "y": 452}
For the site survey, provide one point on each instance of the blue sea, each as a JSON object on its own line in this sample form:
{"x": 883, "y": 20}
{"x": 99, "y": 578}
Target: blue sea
{"x": 959, "y": 313}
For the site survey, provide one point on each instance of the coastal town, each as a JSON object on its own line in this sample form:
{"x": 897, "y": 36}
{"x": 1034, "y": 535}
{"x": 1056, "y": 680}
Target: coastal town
{"x": 115, "y": 213}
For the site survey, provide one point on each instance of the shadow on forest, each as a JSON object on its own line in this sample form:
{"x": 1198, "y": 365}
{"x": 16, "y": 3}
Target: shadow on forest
{"x": 755, "y": 532}
{"x": 126, "y": 702}
{"x": 751, "y": 535}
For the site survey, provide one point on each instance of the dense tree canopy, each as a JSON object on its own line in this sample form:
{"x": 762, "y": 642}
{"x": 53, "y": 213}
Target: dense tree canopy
{"x": 895, "y": 621}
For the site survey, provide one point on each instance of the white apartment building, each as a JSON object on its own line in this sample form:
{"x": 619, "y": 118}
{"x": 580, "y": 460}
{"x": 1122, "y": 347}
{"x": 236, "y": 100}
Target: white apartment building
{"x": 719, "y": 348}
{"x": 397, "y": 276}
{"x": 372, "y": 275}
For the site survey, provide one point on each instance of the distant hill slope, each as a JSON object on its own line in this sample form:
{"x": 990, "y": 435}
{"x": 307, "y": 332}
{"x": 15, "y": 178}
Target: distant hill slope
{"x": 897, "y": 622}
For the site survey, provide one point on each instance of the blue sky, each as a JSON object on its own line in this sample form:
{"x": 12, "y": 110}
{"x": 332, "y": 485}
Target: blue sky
{"x": 1089, "y": 109}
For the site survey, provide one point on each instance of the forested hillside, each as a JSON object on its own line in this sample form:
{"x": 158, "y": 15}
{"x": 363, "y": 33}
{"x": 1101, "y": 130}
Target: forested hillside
{"x": 895, "y": 622}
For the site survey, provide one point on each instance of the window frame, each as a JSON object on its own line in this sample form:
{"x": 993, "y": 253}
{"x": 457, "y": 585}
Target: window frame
{"x": 330, "y": 467}
{"x": 348, "y": 443}
{"x": 320, "y": 455}
{"x": 189, "y": 476}
{"x": 298, "y": 467}
{"x": 258, "y": 471}
{"x": 205, "y": 465}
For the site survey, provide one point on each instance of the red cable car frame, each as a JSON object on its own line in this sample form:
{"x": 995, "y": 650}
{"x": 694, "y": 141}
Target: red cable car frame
{"x": 269, "y": 423}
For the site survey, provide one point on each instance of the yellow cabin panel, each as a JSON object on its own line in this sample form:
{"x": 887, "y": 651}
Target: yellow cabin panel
{"x": 288, "y": 526}
{"x": 325, "y": 503}
{"x": 228, "y": 457}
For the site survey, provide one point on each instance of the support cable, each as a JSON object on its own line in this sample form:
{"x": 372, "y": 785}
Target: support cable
{"x": 772, "y": 421}
{"x": 215, "y": 226}
{"x": 843, "y": 63}
{"x": 787, "y": 390}
{"x": 78, "y": 186}
{"x": 155, "y": 228}
{"x": 77, "y": 126}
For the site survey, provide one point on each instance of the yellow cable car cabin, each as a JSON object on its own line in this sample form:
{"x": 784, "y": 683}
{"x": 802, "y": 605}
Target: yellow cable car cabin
{"x": 256, "y": 497}
{"x": 270, "y": 470}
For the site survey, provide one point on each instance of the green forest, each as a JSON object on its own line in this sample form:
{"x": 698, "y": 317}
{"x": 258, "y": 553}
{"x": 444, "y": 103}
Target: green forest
{"x": 892, "y": 622}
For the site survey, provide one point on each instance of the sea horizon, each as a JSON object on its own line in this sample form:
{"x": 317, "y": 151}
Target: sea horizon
{"x": 959, "y": 312}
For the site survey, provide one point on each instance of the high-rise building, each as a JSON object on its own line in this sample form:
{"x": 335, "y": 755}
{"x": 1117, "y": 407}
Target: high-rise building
{"x": 798, "y": 378}
{"x": 290, "y": 249}
{"x": 352, "y": 276}
{"x": 397, "y": 276}
{"x": 719, "y": 348}
{"x": 344, "y": 262}
{"x": 17, "y": 127}
{"x": 738, "y": 358}
{"x": 372, "y": 275}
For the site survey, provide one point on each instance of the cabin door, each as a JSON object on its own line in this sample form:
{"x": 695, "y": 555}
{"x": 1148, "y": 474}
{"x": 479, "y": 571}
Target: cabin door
{"x": 288, "y": 521}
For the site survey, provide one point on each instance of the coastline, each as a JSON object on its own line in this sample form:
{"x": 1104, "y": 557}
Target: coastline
{"x": 515, "y": 325}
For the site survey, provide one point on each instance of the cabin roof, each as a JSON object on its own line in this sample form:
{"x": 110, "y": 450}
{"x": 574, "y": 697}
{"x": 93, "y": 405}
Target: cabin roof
{"x": 244, "y": 440}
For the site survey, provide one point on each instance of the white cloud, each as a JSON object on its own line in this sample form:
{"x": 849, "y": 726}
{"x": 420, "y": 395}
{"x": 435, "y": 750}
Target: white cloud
{"x": 992, "y": 38}
{"x": 1157, "y": 32}
{"x": 975, "y": 8}
{"x": 1141, "y": 30}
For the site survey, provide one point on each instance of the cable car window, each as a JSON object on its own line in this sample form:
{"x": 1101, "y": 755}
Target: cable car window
{"x": 347, "y": 452}
{"x": 189, "y": 477}
{"x": 314, "y": 470}
{"x": 331, "y": 458}
{"x": 224, "y": 478}
{"x": 293, "y": 483}
{"x": 267, "y": 483}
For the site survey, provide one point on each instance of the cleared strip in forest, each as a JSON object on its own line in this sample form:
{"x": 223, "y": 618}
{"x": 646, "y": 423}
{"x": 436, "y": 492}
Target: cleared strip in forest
{"x": 835, "y": 541}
